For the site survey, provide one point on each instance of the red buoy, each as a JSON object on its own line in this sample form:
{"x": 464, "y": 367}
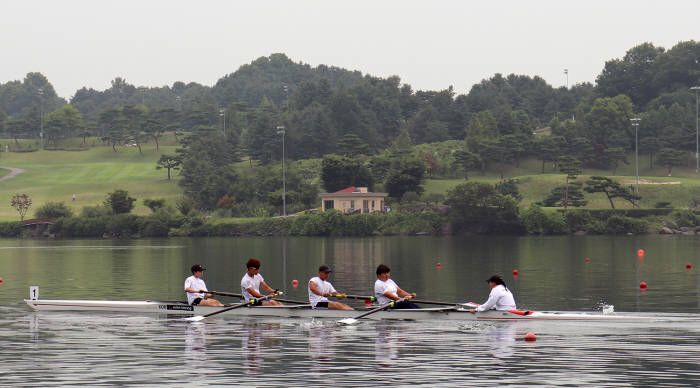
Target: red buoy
{"x": 439, "y": 265}
{"x": 530, "y": 337}
{"x": 687, "y": 266}
{"x": 588, "y": 260}
{"x": 643, "y": 285}
{"x": 515, "y": 272}
{"x": 0, "y": 280}
{"x": 368, "y": 302}
{"x": 295, "y": 283}
{"x": 640, "y": 252}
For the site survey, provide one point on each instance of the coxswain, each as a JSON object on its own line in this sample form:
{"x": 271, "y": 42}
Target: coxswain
{"x": 500, "y": 297}
{"x": 252, "y": 281}
{"x": 386, "y": 290}
{"x": 320, "y": 289}
{"x": 196, "y": 290}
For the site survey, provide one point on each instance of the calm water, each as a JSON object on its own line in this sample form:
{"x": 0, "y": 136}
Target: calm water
{"x": 58, "y": 349}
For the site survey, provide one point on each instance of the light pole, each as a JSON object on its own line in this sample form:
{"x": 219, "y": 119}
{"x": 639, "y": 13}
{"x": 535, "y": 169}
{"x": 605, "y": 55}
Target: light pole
{"x": 566, "y": 73}
{"x": 697, "y": 162}
{"x": 179, "y": 103}
{"x": 635, "y": 122}
{"x": 222, "y": 114}
{"x": 40, "y": 91}
{"x": 281, "y": 131}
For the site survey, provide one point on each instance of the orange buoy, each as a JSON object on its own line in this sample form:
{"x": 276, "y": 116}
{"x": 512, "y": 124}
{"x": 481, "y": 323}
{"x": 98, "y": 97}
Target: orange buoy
{"x": 515, "y": 272}
{"x": 0, "y": 280}
{"x": 643, "y": 285}
{"x": 588, "y": 260}
{"x": 640, "y": 252}
{"x": 687, "y": 266}
{"x": 530, "y": 337}
{"x": 295, "y": 283}
{"x": 439, "y": 265}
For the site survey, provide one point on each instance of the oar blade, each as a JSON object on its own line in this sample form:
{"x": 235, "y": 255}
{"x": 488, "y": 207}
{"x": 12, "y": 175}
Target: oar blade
{"x": 469, "y": 304}
{"x": 194, "y": 319}
{"x": 348, "y": 321}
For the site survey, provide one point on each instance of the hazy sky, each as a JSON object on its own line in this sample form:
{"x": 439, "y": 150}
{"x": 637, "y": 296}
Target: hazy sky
{"x": 429, "y": 44}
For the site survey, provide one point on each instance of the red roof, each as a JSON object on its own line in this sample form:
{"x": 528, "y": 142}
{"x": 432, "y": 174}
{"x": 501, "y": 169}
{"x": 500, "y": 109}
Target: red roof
{"x": 350, "y": 189}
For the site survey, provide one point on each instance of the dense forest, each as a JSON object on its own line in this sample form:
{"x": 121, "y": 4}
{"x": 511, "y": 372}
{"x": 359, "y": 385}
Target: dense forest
{"x": 341, "y": 114}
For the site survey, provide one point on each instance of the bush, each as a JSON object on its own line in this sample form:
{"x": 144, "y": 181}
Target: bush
{"x": 536, "y": 221}
{"x": 53, "y": 210}
{"x": 94, "y": 211}
{"x": 184, "y": 205}
{"x": 622, "y": 225}
{"x": 120, "y": 202}
{"x": 154, "y": 204}
{"x": 123, "y": 225}
{"x": 156, "y": 225}
{"x": 79, "y": 226}
{"x": 662, "y": 205}
{"x": 10, "y": 229}
{"x": 578, "y": 219}
{"x": 685, "y": 218}
{"x": 410, "y": 224}
{"x": 361, "y": 225}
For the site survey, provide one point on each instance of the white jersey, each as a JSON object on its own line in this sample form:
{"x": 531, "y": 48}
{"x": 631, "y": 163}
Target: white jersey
{"x": 194, "y": 283}
{"x": 381, "y": 287}
{"x": 500, "y": 298}
{"x": 248, "y": 282}
{"x": 324, "y": 287}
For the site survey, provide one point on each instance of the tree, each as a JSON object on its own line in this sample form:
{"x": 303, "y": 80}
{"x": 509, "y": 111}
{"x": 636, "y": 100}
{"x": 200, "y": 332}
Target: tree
{"x": 135, "y": 118}
{"x": 572, "y": 168}
{"x": 547, "y": 149}
{"x": 120, "y": 202}
{"x": 668, "y": 157}
{"x": 339, "y": 172}
{"x": 607, "y": 122}
{"x": 21, "y": 203}
{"x": 169, "y": 162}
{"x": 611, "y": 189}
{"x": 565, "y": 196}
{"x": 467, "y": 161}
{"x": 615, "y": 156}
{"x": 650, "y": 145}
{"x": 509, "y": 187}
{"x": 351, "y": 145}
{"x": 479, "y": 207}
{"x": 405, "y": 174}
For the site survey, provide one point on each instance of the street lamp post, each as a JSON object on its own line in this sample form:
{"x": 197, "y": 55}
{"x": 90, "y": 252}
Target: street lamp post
{"x": 635, "y": 122}
{"x": 697, "y": 161}
{"x": 566, "y": 73}
{"x": 179, "y": 102}
{"x": 222, "y": 114}
{"x": 40, "y": 91}
{"x": 280, "y": 131}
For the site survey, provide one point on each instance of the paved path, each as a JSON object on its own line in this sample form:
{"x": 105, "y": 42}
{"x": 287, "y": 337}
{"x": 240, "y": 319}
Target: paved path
{"x": 13, "y": 172}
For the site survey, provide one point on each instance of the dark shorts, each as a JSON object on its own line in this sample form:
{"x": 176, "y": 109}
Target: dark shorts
{"x": 321, "y": 305}
{"x": 406, "y": 305}
{"x": 196, "y": 301}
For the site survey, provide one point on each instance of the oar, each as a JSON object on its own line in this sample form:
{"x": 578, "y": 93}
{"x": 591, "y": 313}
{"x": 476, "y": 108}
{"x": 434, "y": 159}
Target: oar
{"x": 361, "y": 297}
{"x": 240, "y": 296}
{"x": 350, "y": 321}
{"x": 437, "y": 303}
{"x": 235, "y": 306}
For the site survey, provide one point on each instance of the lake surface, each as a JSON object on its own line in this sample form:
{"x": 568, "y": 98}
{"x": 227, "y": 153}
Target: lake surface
{"x": 59, "y": 349}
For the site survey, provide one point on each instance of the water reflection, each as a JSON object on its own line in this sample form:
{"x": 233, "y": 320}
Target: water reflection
{"x": 386, "y": 343}
{"x": 196, "y": 341}
{"x": 322, "y": 340}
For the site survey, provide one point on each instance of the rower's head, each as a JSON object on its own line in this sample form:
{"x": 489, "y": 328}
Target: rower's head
{"x": 253, "y": 266}
{"x": 198, "y": 270}
{"x": 495, "y": 280}
{"x": 324, "y": 272}
{"x": 383, "y": 272}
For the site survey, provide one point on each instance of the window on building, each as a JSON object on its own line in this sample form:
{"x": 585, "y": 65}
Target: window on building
{"x": 352, "y": 204}
{"x": 328, "y": 204}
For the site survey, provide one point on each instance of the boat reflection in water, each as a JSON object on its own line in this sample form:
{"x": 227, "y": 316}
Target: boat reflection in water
{"x": 196, "y": 341}
{"x": 260, "y": 339}
{"x": 386, "y": 343}
{"x": 322, "y": 340}
{"x": 500, "y": 339}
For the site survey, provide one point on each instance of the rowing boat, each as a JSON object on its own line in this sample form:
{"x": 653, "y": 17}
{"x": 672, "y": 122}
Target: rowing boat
{"x": 176, "y": 308}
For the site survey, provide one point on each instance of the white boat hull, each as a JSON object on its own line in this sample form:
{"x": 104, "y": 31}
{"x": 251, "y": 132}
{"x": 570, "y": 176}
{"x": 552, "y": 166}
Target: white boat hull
{"x": 305, "y": 311}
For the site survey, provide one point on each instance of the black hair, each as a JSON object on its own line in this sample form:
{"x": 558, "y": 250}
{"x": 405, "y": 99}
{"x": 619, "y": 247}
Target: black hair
{"x": 253, "y": 262}
{"x": 498, "y": 280}
{"x": 381, "y": 268}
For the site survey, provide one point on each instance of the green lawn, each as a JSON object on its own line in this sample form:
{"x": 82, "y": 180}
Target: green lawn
{"x": 57, "y": 175}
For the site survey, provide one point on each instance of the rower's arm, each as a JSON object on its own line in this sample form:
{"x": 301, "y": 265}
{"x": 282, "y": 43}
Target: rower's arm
{"x": 490, "y": 303}
{"x": 266, "y": 288}
{"x": 403, "y": 293}
{"x": 252, "y": 291}
{"x": 314, "y": 289}
{"x": 391, "y": 295}
{"x": 193, "y": 291}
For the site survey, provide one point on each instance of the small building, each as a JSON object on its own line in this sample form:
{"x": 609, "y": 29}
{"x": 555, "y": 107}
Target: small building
{"x": 353, "y": 200}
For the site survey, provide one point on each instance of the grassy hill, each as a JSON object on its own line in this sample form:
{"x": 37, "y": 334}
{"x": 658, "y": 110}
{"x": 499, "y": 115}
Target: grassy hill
{"x": 56, "y": 175}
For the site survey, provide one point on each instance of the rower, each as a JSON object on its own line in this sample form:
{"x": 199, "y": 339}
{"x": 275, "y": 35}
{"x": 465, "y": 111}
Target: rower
{"x": 386, "y": 290}
{"x": 500, "y": 297}
{"x": 320, "y": 289}
{"x": 252, "y": 281}
{"x": 196, "y": 289}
